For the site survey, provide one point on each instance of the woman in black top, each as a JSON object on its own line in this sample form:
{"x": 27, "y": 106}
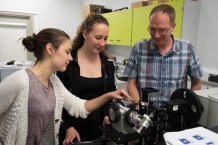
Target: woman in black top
{"x": 89, "y": 75}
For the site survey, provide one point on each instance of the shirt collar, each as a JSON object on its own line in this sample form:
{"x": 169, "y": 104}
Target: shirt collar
{"x": 173, "y": 49}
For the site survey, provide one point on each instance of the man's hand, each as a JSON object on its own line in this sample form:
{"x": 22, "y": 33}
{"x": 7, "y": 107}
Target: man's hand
{"x": 71, "y": 135}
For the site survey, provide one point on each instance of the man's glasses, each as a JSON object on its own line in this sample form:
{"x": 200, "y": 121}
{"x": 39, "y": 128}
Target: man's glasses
{"x": 159, "y": 31}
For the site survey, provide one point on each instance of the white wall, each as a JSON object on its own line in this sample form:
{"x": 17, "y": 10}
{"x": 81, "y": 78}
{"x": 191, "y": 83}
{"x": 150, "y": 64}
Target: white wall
{"x": 62, "y": 14}
{"x": 191, "y": 21}
{"x": 207, "y": 36}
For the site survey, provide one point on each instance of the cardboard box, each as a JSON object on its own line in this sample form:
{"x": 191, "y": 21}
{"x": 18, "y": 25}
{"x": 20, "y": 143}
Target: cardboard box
{"x": 165, "y": 1}
{"x": 91, "y": 8}
{"x": 154, "y": 2}
{"x": 139, "y": 4}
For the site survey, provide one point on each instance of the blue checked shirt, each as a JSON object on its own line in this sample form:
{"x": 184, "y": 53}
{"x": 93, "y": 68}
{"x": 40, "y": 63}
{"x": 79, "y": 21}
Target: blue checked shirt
{"x": 164, "y": 73}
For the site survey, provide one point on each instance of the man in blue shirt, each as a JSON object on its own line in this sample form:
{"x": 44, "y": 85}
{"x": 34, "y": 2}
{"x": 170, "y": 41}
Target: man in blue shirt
{"x": 162, "y": 62}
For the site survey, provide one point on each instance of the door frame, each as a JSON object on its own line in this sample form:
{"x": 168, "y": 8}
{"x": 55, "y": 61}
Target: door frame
{"x": 32, "y": 26}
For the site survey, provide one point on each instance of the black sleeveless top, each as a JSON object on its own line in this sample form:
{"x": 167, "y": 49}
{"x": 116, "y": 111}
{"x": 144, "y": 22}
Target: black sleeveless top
{"x": 90, "y": 88}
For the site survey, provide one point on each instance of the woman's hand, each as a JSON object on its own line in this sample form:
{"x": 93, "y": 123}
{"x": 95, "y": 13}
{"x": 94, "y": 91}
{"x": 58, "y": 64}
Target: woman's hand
{"x": 106, "y": 120}
{"x": 71, "y": 135}
{"x": 96, "y": 103}
{"x": 120, "y": 94}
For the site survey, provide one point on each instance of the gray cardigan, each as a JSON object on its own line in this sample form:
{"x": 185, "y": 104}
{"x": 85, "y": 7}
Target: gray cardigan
{"x": 14, "y": 94}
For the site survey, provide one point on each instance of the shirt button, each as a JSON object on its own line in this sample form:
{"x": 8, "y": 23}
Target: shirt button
{"x": 56, "y": 120}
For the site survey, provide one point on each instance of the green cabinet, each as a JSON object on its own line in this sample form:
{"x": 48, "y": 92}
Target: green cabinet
{"x": 129, "y": 26}
{"x": 120, "y": 27}
{"x": 140, "y": 21}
